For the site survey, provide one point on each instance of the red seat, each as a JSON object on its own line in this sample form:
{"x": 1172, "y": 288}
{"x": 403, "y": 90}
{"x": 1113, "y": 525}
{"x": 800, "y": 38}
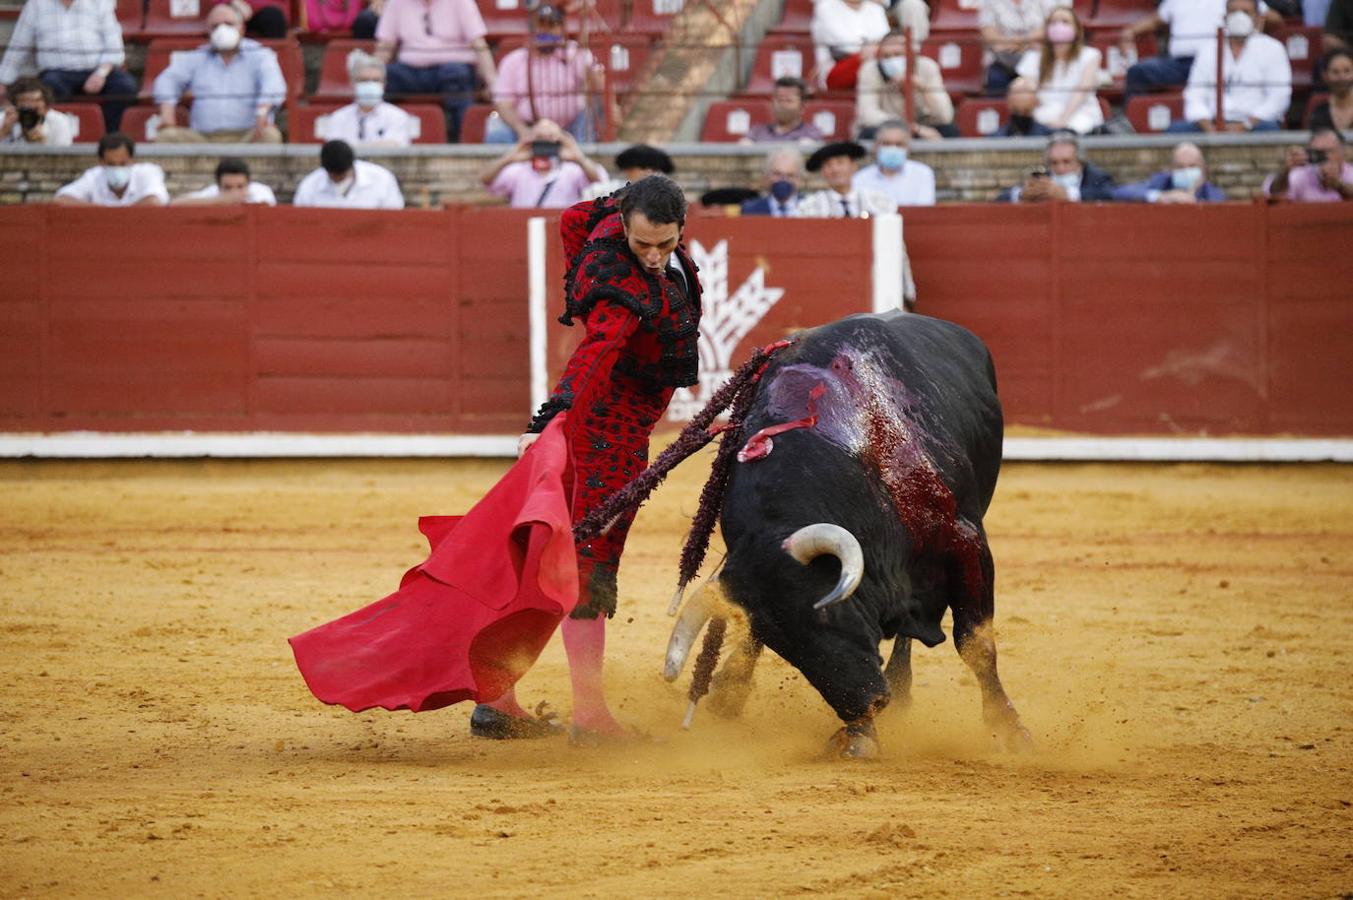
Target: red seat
{"x": 981, "y": 116}
{"x": 796, "y": 19}
{"x": 472, "y": 126}
{"x": 334, "y": 83}
{"x": 140, "y": 123}
{"x": 950, "y": 16}
{"x": 304, "y": 124}
{"x": 131, "y": 15}
{"x": 503, "y": 18}
{"x": 960, "y": 62}
{"x": 730, "y": 120}
{"x": 1116, "y": 63}
{"x": 88, "y": 121}
{"x": 1153, "y": 113}
{"x": 625, "y": 58}
{"x": 176, "y": 18}
{"x": 1114, "y": 14}
{"x": 1303, "y": 48}
{"x": 834, "y": 118}
{"x": 1314, "y": 101}
{"x": 778, "y": 56}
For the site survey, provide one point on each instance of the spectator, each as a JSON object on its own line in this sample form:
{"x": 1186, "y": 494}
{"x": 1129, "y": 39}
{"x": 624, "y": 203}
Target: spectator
{"x": 439, "y": 42}
{"x": 262, "y": 18}
{"x": 1275, "y": 185}
{"x": 1009, "y": 29}
{"x": 843, "y": 30}
{"x": 369, "y": 120}
{"x": 1064, "y": 176}
{"x": 635, "y": 162}
{"x": 783, "y": 179}
{"x": 1184, "y": 182}
{"x": 880, "y": 92}
{"x": 786, "y": 108}
{"x": 1339, "y": 26}
{"x": 344, "y": 181}
{"x": 838, "y": 163}
{"x": 546, "y": 169}
{"x": 364, "y": 23}
{"x": 1257, "y": 74}
{"x": 1193, "y": 25}
{"x": 906, "y": 181}
{"x": 76, "y": 47}
{"x": 551, "y": 79}
{"x": 233, "y": 186}
{"x": 31, "y": 119}
{"x": 116, "y": 181}
{"x": 1328, "y": 176}
{"x": 1065, "y": 71}
{"x": 1337, "y": 111}
{"x": 236, "y": 84}
{"x": 1021, "y": 101}
{"x": 1314, "y": 12}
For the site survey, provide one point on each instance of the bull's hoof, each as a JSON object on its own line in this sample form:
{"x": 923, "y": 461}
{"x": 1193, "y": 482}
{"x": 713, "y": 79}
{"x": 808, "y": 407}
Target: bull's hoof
{"x": 728, "y": 697}
{"x": 854, "y": 742}
{"x": 1017, "y": 739}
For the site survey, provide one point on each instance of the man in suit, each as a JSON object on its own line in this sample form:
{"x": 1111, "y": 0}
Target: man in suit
{"x": 783, "y": 177}
{"x": 1065, "y": 175}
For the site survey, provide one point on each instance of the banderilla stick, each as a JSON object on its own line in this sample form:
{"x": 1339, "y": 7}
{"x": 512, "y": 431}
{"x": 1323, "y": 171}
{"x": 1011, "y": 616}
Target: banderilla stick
{"x": 704, "y": 666}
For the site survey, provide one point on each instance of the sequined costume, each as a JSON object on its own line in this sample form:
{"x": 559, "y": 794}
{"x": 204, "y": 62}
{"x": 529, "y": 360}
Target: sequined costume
{"x": 641, "y": 343}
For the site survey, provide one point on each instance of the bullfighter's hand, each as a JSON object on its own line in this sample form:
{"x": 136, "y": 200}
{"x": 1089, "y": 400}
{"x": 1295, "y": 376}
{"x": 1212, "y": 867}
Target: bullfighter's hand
{"x": 524, "y": 442}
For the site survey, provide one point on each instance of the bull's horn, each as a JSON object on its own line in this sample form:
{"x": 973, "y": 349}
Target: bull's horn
{"x": 812, "y": 541}
{"x": 697, "y": 611}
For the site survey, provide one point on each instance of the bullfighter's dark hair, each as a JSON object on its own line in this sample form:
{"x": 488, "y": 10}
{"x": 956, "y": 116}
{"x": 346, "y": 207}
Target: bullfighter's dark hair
{"x": 658, "y": 198}
{"x": 231, "y": 166}
{"x": 114, "y": 139}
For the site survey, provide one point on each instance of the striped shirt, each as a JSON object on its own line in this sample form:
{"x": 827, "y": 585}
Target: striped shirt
{"x": 51, "y": 35}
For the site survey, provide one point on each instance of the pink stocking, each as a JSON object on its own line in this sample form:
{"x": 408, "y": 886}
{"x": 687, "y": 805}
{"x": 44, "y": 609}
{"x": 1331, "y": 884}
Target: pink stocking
{"x": 585, "y": 646}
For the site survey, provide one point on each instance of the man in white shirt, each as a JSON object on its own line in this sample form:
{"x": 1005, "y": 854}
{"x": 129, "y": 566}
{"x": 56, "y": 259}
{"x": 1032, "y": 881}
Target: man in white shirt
{"x": 907, "y": 181}
{"x": 31, "y": 120}
{"x": 1193, "y": 24}
{"x": 233, "y": 186}
{"x": 342, "y": 180}
{"x": 369, "y": 120}
{"x": 838, "y": 163}
{"x": 116, "y": 181}
{"x": 1257, "y": 78}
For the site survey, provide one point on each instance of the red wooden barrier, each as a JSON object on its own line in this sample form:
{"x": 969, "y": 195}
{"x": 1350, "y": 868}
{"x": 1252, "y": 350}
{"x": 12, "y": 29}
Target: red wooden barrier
{"x": 1232, "y": 319}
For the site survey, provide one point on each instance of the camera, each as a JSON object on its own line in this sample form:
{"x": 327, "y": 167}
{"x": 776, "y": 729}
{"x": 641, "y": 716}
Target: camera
{"x": 544, "y": 148}
{"x": 1317, "y": 157}
{"x": 28, "y": 118}
{"x": 1039, "y": 172}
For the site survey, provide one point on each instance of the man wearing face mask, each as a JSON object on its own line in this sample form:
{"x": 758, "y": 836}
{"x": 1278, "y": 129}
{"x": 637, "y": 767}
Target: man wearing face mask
{"x": 1256, "y": 72}
{"x": 784, "y": 175}
{"x": 31, "y": 120}
{"x": 907, "y": 181}
{"x": 369, "y": 120}
{"x": 343, "y": 181}
{"x": 116, "y": 181}
{"x": 1193, "y": 24}
{"x": 547, "y": 79}
{"x": 236, "y": 85}
{"x": 546, "y": 169}
{"x": 1184, "y": 182}
{"x": 838, "y": 163}
{"x": 1064, "y": 176}
{"x": 879, "y": 92}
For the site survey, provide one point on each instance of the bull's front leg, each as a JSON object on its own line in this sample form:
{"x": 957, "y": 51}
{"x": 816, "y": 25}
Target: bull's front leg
{"x": 732, "y": 684}
{"x": 974, "y": 605}
{"x": 898, "y": 672}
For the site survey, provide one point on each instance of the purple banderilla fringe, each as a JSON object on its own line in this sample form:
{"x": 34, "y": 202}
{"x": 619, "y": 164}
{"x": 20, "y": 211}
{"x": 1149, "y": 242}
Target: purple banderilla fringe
{"x": 736, "y": 392}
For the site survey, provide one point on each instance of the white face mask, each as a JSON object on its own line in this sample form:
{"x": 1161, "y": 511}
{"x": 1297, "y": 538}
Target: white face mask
{"x": 894, "y": 67}
{"x": 1186, "y": 179}
{"x": 1069, "y": 180}
{"x": 225, "y": 38}
{"x": 1239, "y": 24}
{"x": 369, "y": 93}
{"x": 118, "y": 177}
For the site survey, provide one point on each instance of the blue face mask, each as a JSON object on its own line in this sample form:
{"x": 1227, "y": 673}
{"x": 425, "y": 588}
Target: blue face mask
{"x": 894, "y": 68}
{"x": 368, "y": 93}
{"x": 891, "y": 158}
{"x": 1186, "y": 179}
{"x": 782, "y": 190}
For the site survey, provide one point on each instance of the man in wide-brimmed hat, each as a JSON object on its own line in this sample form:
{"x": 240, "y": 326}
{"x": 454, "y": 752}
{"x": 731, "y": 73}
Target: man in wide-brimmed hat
{"x": 838, "y": 162}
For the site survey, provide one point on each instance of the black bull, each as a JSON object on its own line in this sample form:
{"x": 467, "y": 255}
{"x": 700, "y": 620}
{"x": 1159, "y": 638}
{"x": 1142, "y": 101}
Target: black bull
{"x": 897, "y": 447}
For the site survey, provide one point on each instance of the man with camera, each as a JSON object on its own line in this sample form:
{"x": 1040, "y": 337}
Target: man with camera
{"x": 1065, "y": 175}
{"x": 31, "y": 119}
{"x": 1327, "y": 176}
{"x": 546, "y": 169}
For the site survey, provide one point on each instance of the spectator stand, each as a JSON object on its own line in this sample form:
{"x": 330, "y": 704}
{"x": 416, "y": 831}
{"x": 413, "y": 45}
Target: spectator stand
{"x": 88, "y": 121}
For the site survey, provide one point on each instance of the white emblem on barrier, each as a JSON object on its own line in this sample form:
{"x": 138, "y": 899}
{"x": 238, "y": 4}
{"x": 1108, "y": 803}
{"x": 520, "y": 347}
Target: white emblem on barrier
{"x": 725, "y": 322}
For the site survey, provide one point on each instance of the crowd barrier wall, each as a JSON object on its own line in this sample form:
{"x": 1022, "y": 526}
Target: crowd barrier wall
{"x": 1230, "y": 319}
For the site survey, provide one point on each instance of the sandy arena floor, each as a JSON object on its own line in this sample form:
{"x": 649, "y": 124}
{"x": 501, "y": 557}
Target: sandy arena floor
{"x": 1176, "y": 637}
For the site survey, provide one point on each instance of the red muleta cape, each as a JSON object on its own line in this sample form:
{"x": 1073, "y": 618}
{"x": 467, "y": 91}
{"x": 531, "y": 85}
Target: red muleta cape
{"x": 471, "y": 619}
